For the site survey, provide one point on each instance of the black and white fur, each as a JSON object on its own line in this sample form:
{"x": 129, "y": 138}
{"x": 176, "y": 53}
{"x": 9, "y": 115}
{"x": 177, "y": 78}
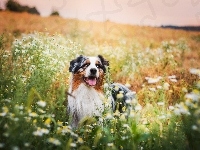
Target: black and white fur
{"x": 86, "y": 88}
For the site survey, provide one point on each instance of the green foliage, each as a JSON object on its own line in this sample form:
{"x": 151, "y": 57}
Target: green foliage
{"x": 32, "y": 99}
{"x": 16, "y": 7}
{"x": 55, "y": 13}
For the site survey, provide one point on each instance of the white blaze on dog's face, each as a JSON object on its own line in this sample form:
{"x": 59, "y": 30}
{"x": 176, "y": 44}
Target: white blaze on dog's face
{"x": 92, "y": 70}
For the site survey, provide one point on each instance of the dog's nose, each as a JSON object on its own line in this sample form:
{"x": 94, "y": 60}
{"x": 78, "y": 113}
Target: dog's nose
{"x": 93, "y": 70}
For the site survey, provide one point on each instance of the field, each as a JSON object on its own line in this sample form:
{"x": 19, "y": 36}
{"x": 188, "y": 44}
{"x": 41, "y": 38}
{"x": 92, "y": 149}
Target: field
{"x": 162, "y": 66}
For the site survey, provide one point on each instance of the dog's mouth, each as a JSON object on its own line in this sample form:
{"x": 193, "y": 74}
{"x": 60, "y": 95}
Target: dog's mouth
{"x": 91, "y": 80}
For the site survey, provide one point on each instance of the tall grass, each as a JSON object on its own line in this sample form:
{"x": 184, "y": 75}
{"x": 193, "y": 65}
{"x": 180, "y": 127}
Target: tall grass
{"x": 34, "y": 78}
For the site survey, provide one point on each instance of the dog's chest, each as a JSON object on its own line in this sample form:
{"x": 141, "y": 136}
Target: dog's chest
{"x": 87, "y": 102}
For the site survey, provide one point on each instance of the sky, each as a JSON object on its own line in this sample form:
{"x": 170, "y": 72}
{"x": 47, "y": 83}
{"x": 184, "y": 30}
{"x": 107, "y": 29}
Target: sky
{"x": 135, "y": 12}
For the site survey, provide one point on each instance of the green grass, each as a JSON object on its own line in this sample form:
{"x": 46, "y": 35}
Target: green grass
{"x": 33, "y": 81}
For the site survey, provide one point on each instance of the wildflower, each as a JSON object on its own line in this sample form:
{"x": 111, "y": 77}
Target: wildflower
{"x": 34, "y": 121}
{"x": 122, "y": 117}
{"x": 171, "y": 107}
{"x": 40, "y": 132}
{"x": 116, "y": 113}
{"x": 41, "y": 111}
{"x": 192, "y": 96}
{"x": 120, "y": 95}
{"x": 124, "y": 108}
{"x": 194, "y": 127}
{"x": 47, "y": 122}
{"x": 153, "y": 80}
{"x": 116, "y": 88}
{"x": 162, "y": 117}
{"x": 33, "y": 114}
{"x": 74, "y": 134}
{"x": 130, "y": 94}
{"x": 2, "y": 145}
{"x": 73, "y": 144}
{"x": 128, "y": 101}
{"x": 195, "y": 71}
{"x": 15, "y": 148}
{"x": 106, "y": 85}
{"x": 111, "y": 130}
{"x": 160, "y": 103}
{"x": 110, "y": 144}
{"x": 6, "y": 126}
{"x": 5, "y": 111}
{"x": 168, "y": 115}
{"x": 132, "y": 114}
{"x": 172, "y": 77}
{"x": 26, "y": 144}
{"x": 59, "y": 123}
{"x": 66, "y": 129}
{"x": 2, "y": 114}
{"x": 184, "y": 89}
{"x": 41, "y": 103}
{"x": 121, "y": 92}
{"x": 126, "y": 126}
{"x": 128, "y": 85}
{"x": 197, "y": 112}
{"x": 138, "y": 107}
{"x": 166, "y": 86}
{"x": 59, "y": 130}
{"x": 181, "y": 109}
{"x": 152, "y": 89}
{"x": 109, "y": 116}
{"x": 6, "y": 134}
{"x": 16, "y": 119}
{"x": 159, "y": 87}
{"x": 80, "y": 140}
{"x": 20, "y": 107}
{"x": 173, "y": 80}
{"x": 54, "y": 141}
{"x": 7, "y": 100}
{"x": 144, "y": 121}
{"x": 134, "y": 101}
{"x": 45, "y": 131}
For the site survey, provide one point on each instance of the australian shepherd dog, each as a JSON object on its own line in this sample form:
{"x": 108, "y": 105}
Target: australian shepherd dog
{"x": 85, "y": 98}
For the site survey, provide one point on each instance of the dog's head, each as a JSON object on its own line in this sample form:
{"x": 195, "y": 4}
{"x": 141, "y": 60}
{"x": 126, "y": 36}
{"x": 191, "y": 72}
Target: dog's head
{"x": 90, "y": 69}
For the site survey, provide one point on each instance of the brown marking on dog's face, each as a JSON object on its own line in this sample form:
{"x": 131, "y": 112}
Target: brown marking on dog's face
{"x": 78, "y": 78}
{"x": 100, "y": 81}
{"x": 82, "y": 69}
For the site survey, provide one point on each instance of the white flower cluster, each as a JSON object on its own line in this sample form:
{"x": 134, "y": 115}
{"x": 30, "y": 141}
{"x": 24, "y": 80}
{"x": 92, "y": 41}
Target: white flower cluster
{"x": 39, "y": 51}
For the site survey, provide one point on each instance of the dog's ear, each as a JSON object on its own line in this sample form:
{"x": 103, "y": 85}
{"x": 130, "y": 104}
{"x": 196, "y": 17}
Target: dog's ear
{"x": 104, "y": 62}
{"x": 76, "y": 64}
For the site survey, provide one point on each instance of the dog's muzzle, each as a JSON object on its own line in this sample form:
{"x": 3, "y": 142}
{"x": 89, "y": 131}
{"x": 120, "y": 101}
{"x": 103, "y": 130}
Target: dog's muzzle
{"x": 91, "y": 80}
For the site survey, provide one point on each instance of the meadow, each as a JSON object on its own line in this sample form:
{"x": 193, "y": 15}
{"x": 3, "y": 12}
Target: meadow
{"x": 162, "y": 66}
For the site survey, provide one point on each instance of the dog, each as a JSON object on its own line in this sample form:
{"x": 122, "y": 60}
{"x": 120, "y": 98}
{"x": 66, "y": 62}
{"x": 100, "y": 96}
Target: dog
{"x": 86, "y": 91}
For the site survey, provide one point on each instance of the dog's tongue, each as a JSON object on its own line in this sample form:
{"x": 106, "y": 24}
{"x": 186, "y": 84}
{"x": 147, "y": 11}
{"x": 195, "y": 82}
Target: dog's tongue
{"x": 91, "y": 81}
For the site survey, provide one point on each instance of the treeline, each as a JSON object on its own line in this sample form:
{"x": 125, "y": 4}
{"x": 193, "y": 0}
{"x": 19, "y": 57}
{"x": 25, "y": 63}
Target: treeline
{"x": 16, "y": 7}
{"x": 12, "y": 5}
{"x": 187, "y": 28}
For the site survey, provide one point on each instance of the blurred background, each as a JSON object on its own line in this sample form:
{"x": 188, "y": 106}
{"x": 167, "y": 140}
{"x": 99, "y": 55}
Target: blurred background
{"x": 137, "y": 12}
{"x": 153, "y": 48}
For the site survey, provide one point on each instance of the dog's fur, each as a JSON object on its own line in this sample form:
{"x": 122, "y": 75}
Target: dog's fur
{"x": 86, "y": 88}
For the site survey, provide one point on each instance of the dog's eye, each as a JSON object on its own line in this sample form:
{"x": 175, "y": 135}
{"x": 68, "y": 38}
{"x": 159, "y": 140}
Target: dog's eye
{"x": 85, "y": 65}
{"x": 98, "y": 65}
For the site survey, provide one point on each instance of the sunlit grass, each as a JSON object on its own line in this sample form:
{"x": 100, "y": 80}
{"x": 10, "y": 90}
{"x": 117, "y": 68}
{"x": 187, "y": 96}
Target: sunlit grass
{"x": 33, "y": 108}
{"x": 34, "y": 78}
